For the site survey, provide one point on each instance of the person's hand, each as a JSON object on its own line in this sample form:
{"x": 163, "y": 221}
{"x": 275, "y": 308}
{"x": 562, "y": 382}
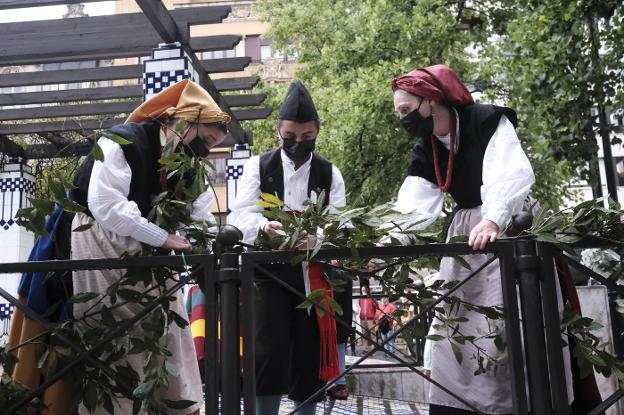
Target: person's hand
{"x": 306, "y": 241}
{"x": 177, "y": 243}
{"x": 484, "y": 232}
{"x": 272, "y": 228}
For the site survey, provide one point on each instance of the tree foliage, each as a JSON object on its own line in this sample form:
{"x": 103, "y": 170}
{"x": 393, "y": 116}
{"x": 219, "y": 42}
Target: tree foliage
{"x": 516, "y": 53}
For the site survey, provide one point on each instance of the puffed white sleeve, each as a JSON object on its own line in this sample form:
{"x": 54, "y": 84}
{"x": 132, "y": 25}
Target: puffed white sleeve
{"x": 245, "y": 214}
{"x": 507, "y": 175}
{"x": 109, "y": 187}
{"x": 421, "y": 201}
{"x": 337, "y": 194}
{"x": 201, "y": 207}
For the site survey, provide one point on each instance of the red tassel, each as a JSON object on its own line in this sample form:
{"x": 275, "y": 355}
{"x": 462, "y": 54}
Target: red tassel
{"x": 329, "y": 366}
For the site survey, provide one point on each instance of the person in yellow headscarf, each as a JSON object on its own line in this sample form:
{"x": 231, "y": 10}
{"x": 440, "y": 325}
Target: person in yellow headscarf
{"x": 118, "y": 192}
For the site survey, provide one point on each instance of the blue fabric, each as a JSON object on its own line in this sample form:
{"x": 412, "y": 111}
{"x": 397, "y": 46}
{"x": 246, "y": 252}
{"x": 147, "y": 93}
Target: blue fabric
{"x": 342, "y": 356}
{"x": 389, "y": 346}
{"x": 33, "y": 284}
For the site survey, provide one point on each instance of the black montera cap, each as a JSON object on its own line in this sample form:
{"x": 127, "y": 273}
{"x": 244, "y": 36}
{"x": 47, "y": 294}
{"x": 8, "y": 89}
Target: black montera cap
{"x": 298, "y": 105}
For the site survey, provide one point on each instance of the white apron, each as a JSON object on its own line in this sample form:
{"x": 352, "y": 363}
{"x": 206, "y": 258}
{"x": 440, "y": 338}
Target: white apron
{"x": 489, "y": 392}
{"x": 97, "y": 242}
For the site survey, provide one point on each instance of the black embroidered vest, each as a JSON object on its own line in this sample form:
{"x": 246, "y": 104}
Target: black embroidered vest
{"x": 477, "y": 124}
{"x": 142, "y": 156}
{"x": 272, "y": 174}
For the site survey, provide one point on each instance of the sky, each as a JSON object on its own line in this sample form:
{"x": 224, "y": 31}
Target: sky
{"x": 53, "y": 12}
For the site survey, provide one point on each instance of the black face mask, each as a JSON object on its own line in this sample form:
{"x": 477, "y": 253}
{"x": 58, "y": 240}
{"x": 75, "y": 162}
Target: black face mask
{"x": 417, "y": 125}
{"x": 298, "y": 151}
{"x": 197, "y": 148}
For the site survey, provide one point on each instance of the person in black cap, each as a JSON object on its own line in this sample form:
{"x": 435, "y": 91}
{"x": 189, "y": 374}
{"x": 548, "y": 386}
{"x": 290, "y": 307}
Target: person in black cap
{"x": 288, "y": 340}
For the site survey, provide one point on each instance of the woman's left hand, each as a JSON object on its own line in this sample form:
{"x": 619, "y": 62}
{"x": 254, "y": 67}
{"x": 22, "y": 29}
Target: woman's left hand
{"x": 484, "y": 232}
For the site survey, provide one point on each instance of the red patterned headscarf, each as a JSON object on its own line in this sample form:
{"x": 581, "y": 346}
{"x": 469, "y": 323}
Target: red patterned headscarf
{"x": 438, "y": 83}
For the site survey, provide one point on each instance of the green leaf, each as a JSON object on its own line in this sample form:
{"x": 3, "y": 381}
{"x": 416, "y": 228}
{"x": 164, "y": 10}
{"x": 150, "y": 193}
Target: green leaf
{"x": 335, "y": 306}
{"x": 83, "y": 297}
{"x": 274, "y": 200}
{"x": 435, "y": 337}
{"x": 90, "y": 396}
{"x": 42, "y": 205}
{"x": 462, "y": 261}
{"x": 172, "y": 369}
{"x": 117, "y": 138}
{"x": 107, "y": 403}
{"x": 143, "y": 389}
{"x": 98, "y": 154}
{"x": 44, "y": 357}
{"x": 457, "y": 352}
{"x": 178, "y": 319}
{"x": 83, "y": 228}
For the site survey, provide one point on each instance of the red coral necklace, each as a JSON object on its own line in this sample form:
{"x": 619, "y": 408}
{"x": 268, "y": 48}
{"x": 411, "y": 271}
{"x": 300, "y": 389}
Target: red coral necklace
{"x": 444, "y": 186}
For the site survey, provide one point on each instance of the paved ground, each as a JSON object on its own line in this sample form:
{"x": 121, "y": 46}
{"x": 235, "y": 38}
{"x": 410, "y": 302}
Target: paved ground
{"x": 361, "y": 405}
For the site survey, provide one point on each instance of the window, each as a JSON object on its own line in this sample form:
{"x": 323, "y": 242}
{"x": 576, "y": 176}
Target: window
{"x": 219, "y": 54}
{"x": 265, "y": 52}
{"x": 259, "y": 50}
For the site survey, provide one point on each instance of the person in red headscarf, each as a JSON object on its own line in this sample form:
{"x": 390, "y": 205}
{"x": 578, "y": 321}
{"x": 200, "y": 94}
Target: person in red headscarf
{"x": 472, "y": 152}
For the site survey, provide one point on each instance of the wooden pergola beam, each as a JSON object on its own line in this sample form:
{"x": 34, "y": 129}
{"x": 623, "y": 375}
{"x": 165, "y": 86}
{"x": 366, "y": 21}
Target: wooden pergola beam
{"x": 163, "y": 22}
{"x": 244, "y": 100}
{"x": 71, "y": 124}
{"x": 76, "y": 47}
{"x": 226, "y": 64}
{"x": 235, "y": 84}
{"x": 21, "y": 4}
{"x": 253, "y": 113}
{"x": 101, "y": 108}
{"x": 107, "y": 108}
{"x": 111, "y": 92}
{"x": 65, "y": 76}
{"x": 81, "y": 94}
{"x": 100, "y": 24}
{"x": 108, "y": 73}
{"x": 59, "y": 126}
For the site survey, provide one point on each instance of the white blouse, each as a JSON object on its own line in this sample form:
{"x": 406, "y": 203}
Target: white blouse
{"x": 109, "y": 187}
{"x": 247, "y": 216}
{"x": 507, "y": 178}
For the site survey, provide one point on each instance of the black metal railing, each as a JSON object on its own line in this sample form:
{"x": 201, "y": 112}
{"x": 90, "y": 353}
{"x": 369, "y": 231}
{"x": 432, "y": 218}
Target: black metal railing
{"x": 527, "y": 271}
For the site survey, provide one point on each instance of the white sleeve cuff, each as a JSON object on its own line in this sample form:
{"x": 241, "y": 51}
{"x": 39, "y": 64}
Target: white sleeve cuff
{"x": 500, "y": 215}
{"x": 150, "y": 234}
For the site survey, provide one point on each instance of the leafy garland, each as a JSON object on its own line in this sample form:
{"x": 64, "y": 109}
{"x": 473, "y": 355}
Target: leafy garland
{"x": 357, "y": 228}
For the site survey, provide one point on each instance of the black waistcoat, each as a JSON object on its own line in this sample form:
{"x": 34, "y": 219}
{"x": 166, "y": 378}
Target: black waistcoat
{"x": 272, "y": 174}
{"x": 142, "y": 156}
{"x": 477, "y": 124}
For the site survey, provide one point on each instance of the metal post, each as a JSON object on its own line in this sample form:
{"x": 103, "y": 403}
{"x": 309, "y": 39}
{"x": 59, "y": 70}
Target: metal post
{"x": 249, "y": 361}
{"x": 211, "y": 379}
{"x": 229, "y": 281}
{"x": 512, "y": 329}
{"x": 527, "y": 263}
{"x": 554, "y": 342}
